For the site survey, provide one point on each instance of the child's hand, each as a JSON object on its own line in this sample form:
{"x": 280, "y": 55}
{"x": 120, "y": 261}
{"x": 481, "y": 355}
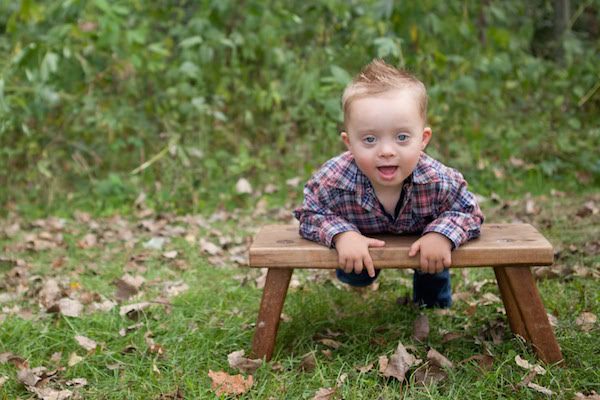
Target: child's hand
{"x": 353, "y": 251}
{"x": 435, "y": 252}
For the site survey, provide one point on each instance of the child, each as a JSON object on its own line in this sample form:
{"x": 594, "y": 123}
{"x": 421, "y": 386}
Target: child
{"x": 385, "y": 183}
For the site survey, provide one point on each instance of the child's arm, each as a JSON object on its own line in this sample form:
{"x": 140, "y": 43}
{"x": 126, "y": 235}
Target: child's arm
{"x": 458, "y": 221}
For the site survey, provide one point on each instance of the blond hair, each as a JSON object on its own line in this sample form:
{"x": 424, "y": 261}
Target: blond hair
{"x": 378, "y": 77}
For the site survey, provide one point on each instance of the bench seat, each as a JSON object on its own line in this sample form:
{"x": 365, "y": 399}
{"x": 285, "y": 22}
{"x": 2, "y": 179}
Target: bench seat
{"x": 509, "y": 248}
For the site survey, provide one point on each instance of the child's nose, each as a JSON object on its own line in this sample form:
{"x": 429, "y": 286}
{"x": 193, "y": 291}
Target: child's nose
{"x": 386, "y": 150}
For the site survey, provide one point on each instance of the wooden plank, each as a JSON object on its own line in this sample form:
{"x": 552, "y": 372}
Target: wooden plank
{"x": 510, "y": 305}
{"x": 280, "y": 246}
{"x": 533, "y": 314}
{"x": 276, "y": 286}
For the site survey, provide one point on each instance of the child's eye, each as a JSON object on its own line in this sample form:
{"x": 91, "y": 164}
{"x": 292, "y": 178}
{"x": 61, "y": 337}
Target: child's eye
{"x": 402, "y": 137}
{"x": 369, "y": 140}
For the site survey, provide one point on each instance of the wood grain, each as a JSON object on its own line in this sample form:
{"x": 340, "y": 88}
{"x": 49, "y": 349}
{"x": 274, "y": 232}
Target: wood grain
{"x": 276, "y": 286}
{"x": 280, "y": 246}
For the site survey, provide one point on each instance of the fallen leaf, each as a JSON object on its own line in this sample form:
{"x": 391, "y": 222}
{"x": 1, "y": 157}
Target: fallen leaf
{"x": 399, "y": 363}
{"x": 223, "y": 383}
{"x": 125, "y": 310}
{"x": 527, "y": 379}
{"x": 125, "y": 290}
{"x": 341, "y": 379}
{"x": 170, "y": 254}
{"x": 383, "y": 363}
{"x": 86, "y": 343}
{"x": 308, "y": 363}
{"x": 438, "y": 360}
{"x": 331, "y": 343}
{"x": 421, "y": 328}
{"x": 364, "y": 369}
{"x": 245, "y": 365}
{"x": 74, "y": 359}
{"x": 51, "y": 394}
{"x": 325, "y": 394}
{"x": 485, "y": 361}
{"x": 155, "y": 243}
{"x": 3, "y": 379}
{"x": 451, "y": 336}
{"x": 28, "y": 377}
{"x": 50, "y": 293}
{"x": 592, "y": 396}
{"x": 70, "y": 307}
{"x": 77, "y": 382}
{"x": 88, "y": 241}
{"x": 209, "y": 247}
{"x": 586, "y": 321}
{"x": 328, "y": 354}
{"x": 540, "y": 389}
{"x": 243, "y": 186}
{"x": 432, "y": 374}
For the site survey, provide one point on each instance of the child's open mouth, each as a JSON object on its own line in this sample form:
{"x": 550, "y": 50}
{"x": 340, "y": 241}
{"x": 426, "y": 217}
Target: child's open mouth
{"x": 387, "y": 172}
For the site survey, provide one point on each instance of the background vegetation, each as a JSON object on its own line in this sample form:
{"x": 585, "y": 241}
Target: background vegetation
{"x": 100, "y": 99}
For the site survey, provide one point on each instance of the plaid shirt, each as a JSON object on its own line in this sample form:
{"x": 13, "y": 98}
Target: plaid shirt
{"x": 339, "y": 198}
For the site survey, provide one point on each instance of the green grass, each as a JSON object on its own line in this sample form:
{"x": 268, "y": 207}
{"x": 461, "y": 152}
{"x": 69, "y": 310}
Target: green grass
{"x": 213, "y": 318}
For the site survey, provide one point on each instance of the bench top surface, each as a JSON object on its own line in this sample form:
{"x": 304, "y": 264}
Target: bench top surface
{"x": 499, "y": 245}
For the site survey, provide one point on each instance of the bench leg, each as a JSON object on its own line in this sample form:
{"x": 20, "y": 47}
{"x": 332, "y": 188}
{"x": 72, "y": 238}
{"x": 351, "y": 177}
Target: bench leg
{"x": 526, "y": 312}
{"x": 276, "y": 286}
{"x": 510, "y": 305}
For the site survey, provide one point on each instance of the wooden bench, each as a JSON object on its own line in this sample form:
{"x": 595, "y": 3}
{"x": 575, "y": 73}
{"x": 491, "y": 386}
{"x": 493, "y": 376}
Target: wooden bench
{"x": 511, "y": 249}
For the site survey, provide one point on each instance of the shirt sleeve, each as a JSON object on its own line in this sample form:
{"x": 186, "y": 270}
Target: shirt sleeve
{"x": 459, "y": 216}
{"x": 318, "y": 220}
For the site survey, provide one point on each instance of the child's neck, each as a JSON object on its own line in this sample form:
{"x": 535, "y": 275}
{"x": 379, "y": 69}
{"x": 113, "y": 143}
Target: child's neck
{"x": 388, "y": 197}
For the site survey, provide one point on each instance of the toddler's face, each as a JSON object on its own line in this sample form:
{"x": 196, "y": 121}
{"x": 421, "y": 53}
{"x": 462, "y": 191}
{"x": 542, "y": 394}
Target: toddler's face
{"x": 386, "y": 134}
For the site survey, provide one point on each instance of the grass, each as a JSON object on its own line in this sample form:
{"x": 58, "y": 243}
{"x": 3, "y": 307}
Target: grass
{"x": 214, "y": 317}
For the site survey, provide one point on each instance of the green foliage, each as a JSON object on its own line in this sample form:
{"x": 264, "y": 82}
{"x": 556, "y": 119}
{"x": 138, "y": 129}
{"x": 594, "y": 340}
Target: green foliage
{"x": 205, "y": 92}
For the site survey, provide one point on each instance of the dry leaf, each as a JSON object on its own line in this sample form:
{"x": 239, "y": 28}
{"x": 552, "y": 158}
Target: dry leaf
{"x": 581, "y": 396}
{"x": 223, "y": 383}
{"x": 399, "y": 363}
{"x": 383, "y": 363}
{"x": 586, "y": 321}
{"x": 421, "y": 328}
{"x": 308, "y": 363}
{"x": 438, "y": 360}
{"x": 125, "y": 290}
{"x": 124, "y": 310}
{"x": 3, "y": 379}
{"x": 74, "y": 359}
{"x": 28, "y": 377}
{"x": 325, "y": 394}
{"x": 432, "y": 374}
{"x": 328, "y": 354}
{"x": 540, "y": 389}
{"x": 50, "y": 293}
{"x": 364, "y": 369}
{"x": 331, "y": 343}
{"x": 170, "y": 254}
{"x": 243, "y": 186}
{"x": 451, "y": 336}
{"x": 70, "y": 308}
{"x": 51, "y": 394}
{"x": 485, "y": 361}
{"x": 209, "y": 247}
{"x": 86, "y": 343}
{"x": 245, "y": 365}
{"x": 77, "y": 382}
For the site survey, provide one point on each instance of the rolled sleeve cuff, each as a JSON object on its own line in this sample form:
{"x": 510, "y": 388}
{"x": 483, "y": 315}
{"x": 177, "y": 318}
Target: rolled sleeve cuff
{"x": 329, "y": 231}
{"x": 456, "y": 235}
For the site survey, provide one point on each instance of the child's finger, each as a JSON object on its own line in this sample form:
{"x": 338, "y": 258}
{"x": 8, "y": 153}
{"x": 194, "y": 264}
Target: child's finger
{"x": 414, "y": 249}
{"x": 369, "y": 266}
{"x": 375, "y": 243}
{"x": 358, "y": 266}
{"x": 424, "y": 264}
{"x": 447, "y": 261}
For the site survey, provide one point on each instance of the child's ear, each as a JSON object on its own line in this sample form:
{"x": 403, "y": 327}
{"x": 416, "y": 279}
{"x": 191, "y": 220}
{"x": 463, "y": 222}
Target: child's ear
{"x": 346, "y": 140}
{"x": 426, "y": 137}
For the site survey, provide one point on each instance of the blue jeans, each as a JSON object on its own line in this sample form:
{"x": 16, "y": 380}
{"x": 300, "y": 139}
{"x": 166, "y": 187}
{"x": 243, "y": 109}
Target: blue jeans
{"x": 431, "y": 290}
